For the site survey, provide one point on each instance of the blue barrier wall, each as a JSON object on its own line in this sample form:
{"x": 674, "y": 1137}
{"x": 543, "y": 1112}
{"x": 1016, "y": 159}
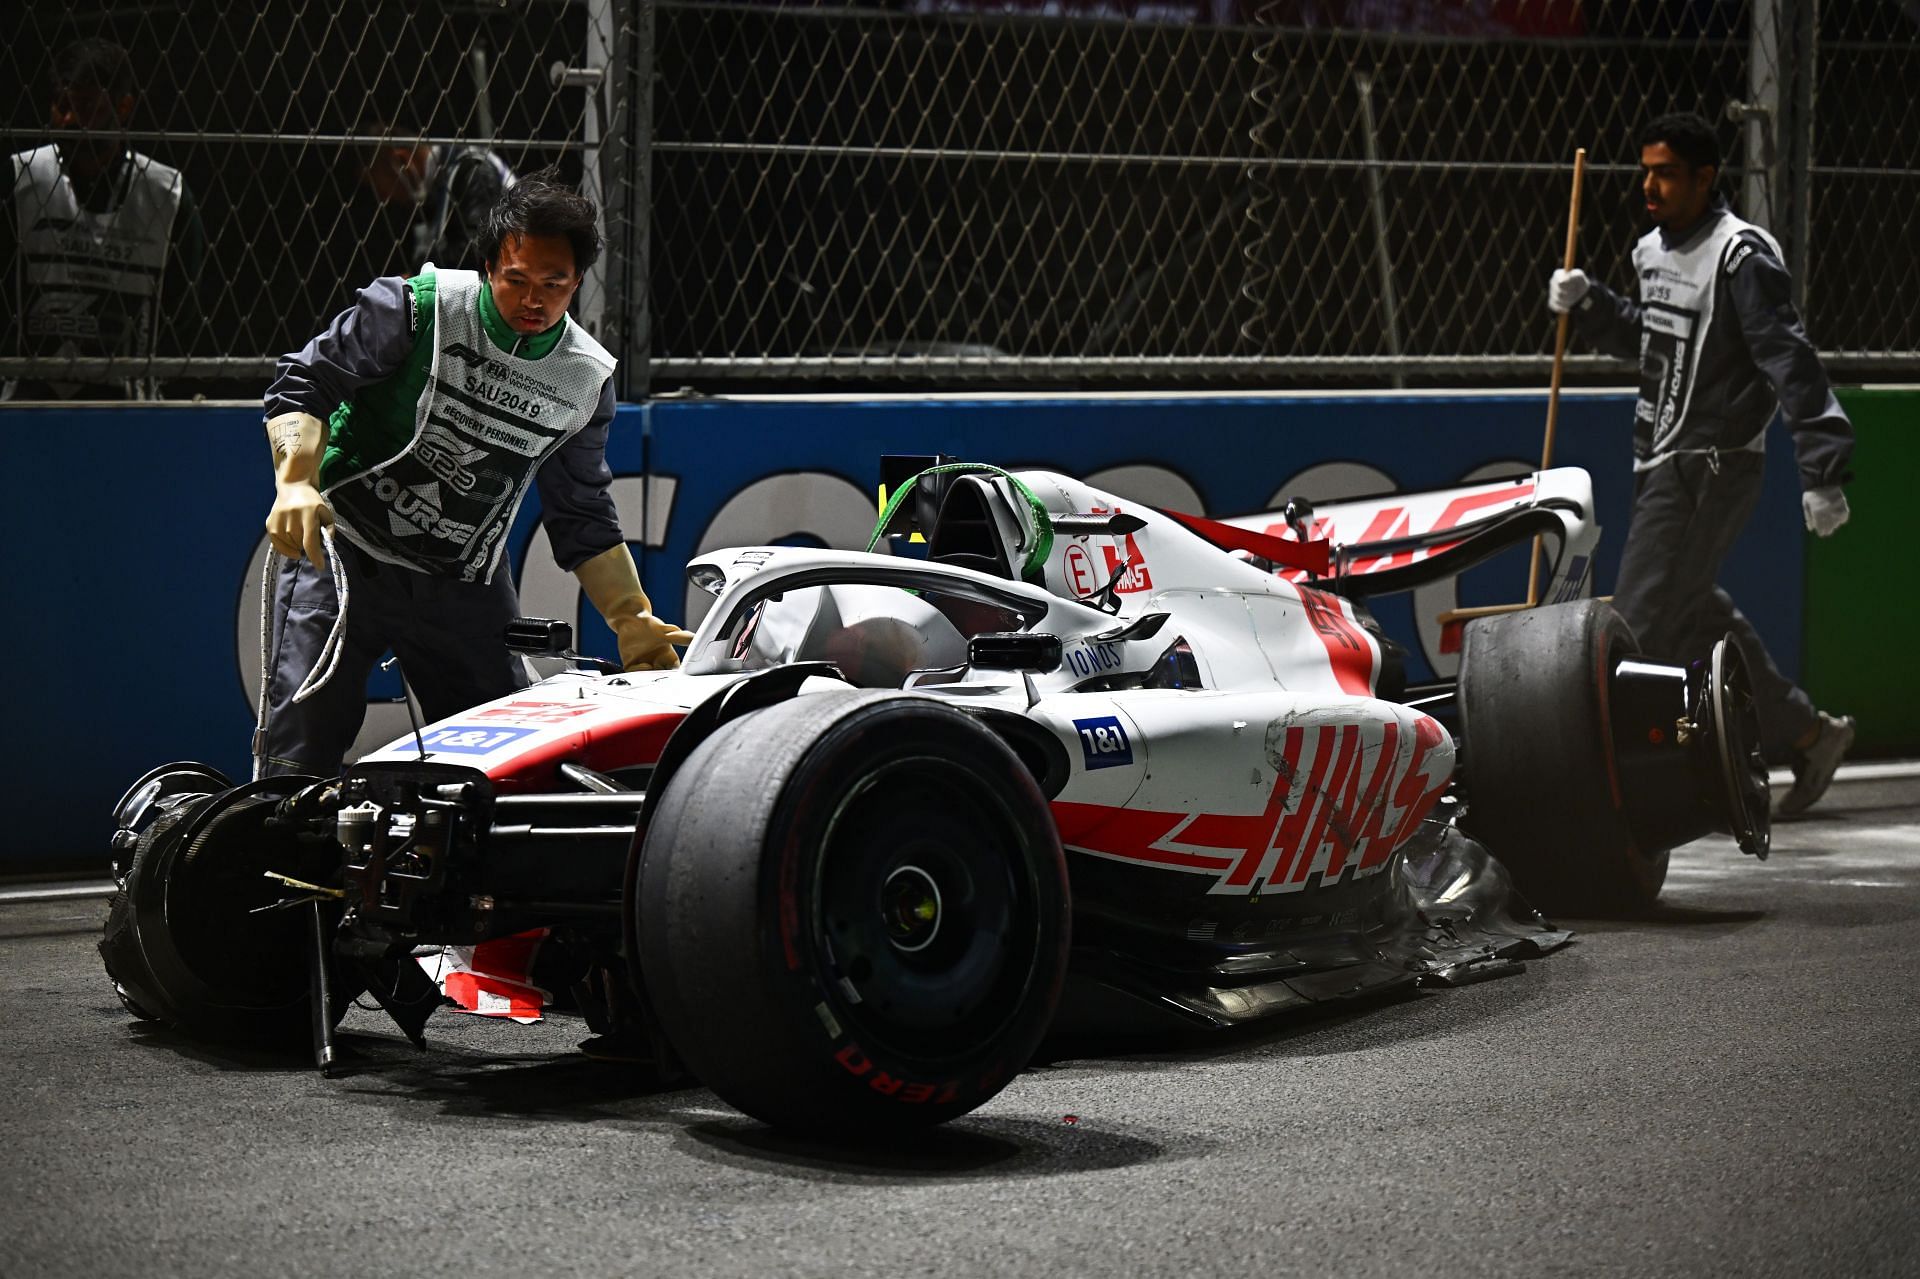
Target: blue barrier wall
{"x": 134, "y": 537}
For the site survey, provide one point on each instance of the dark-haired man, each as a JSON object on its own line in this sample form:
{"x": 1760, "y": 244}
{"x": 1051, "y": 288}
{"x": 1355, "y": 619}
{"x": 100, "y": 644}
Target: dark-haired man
{"x": 451, "y": 188}
{"x": 413, "y": 426}
{"x": 103, "y": 244}
{"x": 1720, "y": 348}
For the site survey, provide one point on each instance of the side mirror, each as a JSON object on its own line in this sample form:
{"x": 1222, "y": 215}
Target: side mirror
{"x": 1299, "y": 516}
{"x": 1015, "y": 651}
{"x": 539, "y": 637}
{"x": 540, "y": 641}
{"x": 710, "y": 578}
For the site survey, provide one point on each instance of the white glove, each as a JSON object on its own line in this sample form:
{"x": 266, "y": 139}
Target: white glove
{"x": 1565, "y": 290}
{"x": 299, "y": 510}
{"x": 293, "y": 525}
{"x": 1825, "y": 509}
{"x": 613, "y": 584}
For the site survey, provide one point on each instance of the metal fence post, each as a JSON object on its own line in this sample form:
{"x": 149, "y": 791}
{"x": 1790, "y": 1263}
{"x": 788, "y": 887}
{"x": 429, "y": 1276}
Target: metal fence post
{"x": 1377, "y": 207}
{"x": 637, "y": 268}
{"x": 599, "y": 140}
{"x": 1760, "y": 115}
{"x": 623, "y": 166}
{"x": 1793, "y": 204}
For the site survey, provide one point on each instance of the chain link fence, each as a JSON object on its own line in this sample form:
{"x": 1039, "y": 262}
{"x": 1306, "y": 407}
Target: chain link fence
{"x": 197, "y": 187}
{"x": 978, "y": 192}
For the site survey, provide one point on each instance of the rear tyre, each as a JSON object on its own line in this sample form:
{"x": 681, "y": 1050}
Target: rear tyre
{"x": 1543, "y": 788}
{"x": 853, "y": 914}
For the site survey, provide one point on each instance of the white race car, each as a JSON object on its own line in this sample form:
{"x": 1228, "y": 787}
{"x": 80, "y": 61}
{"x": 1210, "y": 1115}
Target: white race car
{"x": 1086, "y": 764}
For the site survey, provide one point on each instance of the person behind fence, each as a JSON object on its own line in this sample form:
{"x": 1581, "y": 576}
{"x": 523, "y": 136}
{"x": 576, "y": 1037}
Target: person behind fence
{"x": 104, "y": 244}
{"x": 411, "y": 428}
{"x": 1720, "y": 347}
{"x": 450, "y": 188}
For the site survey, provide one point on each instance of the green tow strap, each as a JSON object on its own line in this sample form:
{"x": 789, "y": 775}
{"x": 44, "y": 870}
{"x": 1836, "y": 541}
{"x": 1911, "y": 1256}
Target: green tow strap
{"x": 1042, "y": 522}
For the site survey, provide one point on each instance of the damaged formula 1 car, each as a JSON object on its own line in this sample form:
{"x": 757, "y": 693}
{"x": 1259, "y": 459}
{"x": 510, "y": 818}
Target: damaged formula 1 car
{"x": 1085, "y": 766}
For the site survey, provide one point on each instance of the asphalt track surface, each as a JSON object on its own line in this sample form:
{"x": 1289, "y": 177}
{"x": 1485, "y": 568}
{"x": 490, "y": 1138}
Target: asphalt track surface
{"x": 1727, "y": 1088}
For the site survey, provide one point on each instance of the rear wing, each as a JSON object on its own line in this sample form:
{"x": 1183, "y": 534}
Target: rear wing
{"x": 1397, "y": 541}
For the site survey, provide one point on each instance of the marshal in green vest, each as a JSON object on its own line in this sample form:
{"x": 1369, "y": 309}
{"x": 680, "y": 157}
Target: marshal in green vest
{"x": 379, "y": 420}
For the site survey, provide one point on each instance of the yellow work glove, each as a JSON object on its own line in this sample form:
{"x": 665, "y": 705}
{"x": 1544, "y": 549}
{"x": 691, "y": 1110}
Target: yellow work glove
{"x": 299, "y": 511}
{"x": 613, "y": 584}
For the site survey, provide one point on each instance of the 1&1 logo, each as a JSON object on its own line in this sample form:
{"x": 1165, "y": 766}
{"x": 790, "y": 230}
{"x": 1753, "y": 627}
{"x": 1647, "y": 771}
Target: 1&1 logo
{"x": 470, "y": 739}
{"x": 1104, "y": 742}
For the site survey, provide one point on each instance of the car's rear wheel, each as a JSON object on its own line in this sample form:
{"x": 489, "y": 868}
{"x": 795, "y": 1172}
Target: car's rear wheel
{"x": 1543, "y": 788}
{"x": 852, "y": 913}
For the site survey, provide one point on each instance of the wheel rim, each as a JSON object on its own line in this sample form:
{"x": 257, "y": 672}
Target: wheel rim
{"x": 910, "y": 908}
{"x": 225, "y": 930}
{"x": 193, "y": 916}
{"x": 927, "y": 913}
{"x": 167, "y": 781}
{"x": 1736, "y": 723}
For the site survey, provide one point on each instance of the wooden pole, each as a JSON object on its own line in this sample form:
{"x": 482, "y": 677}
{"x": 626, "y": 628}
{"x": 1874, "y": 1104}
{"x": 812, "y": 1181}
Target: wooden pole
{"x": 1553, "y": 411}
{"x": 1559, "y": 361}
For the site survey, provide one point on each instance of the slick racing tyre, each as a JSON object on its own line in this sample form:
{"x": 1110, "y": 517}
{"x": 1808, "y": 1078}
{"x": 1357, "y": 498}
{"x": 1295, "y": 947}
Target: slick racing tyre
{"x": 1543, "y": 787}
{"x": 853, "y": 914}
{"x": 185, "y": 941}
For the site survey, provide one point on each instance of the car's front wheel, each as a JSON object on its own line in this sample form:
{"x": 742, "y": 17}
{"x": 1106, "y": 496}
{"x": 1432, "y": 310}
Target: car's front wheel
{"x": 853, "y": 913}
{"x": 193, "y": 935}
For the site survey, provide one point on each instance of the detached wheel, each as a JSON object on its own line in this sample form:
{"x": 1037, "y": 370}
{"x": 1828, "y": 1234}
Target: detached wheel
{"x": 183, "y": 943}
{"x": 853, "y": 914}
{"x": 1543, "y": 788}
{"x": 133, "y": 982}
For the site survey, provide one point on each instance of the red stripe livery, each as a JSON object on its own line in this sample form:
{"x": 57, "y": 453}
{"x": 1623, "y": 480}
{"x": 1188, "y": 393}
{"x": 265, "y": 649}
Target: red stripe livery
{"x": 1343, "y": 808}
{"x": 1350, "y": 650}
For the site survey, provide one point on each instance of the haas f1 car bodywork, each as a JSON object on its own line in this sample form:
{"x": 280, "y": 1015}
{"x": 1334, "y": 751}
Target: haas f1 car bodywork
{"x": 1086, "y": 765}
